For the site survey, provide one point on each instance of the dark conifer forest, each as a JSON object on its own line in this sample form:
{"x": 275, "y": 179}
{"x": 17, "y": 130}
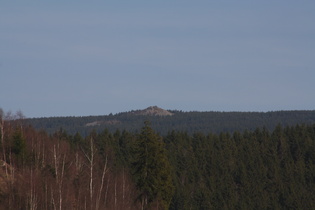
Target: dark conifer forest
{"x": 271, "y": 166}
{"x": 190, "y": 122}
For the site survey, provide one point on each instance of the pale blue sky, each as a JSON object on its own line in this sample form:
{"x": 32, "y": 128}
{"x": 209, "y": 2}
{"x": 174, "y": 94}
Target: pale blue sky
{"x": 77, "y": 58}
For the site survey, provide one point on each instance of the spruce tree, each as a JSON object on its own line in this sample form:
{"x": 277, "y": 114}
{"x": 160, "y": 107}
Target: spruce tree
{"x": 151, "y": 169}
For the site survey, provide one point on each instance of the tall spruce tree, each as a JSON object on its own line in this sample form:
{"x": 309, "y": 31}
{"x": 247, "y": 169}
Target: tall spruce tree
{"x": 151, "y": 170}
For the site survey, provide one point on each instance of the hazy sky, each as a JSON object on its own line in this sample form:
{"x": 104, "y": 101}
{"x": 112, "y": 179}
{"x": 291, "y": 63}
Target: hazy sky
{"x": 77, "y": 58}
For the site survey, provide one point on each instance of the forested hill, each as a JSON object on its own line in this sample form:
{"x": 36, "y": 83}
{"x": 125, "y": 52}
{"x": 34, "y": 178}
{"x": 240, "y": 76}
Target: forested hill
{"x": 165, "y": 121}
{"x": 257, "y": 169}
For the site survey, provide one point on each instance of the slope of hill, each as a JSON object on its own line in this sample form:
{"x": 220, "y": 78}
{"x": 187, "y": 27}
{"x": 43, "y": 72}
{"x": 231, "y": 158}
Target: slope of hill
{"x": 164, "y": 121}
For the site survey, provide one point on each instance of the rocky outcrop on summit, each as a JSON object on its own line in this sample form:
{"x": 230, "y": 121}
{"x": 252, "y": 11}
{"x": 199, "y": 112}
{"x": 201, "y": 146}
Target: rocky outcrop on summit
{"x": 153, "y": 111}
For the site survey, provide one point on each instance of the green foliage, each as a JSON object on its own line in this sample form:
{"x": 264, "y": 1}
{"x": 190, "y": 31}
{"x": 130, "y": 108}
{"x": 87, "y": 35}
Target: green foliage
{"x": 19, "y": 146}
{"x": 249, "y": 170}
{"x": 151, "y": 169}
{"x": 252, "y": 168}
{"x": 190, "y": 122}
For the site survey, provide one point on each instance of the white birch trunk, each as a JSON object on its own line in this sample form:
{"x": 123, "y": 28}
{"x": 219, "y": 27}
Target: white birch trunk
{"x": 91, "y": 162}
{"x": 2, "y": 143}
{"x": 102, "y": 184}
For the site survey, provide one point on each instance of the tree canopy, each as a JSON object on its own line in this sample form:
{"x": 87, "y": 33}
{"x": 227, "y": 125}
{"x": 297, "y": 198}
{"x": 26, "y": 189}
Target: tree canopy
{"x": 250, "y": 169}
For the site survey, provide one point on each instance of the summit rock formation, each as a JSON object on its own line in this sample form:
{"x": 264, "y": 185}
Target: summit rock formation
{"x": 153, "y": 111}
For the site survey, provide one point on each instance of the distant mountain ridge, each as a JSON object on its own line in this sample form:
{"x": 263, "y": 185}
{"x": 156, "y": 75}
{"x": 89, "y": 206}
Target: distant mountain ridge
{"x": 164, "y": 121}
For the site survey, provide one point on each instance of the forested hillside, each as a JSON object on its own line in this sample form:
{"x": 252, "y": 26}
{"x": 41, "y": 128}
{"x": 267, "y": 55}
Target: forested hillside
{"x": 167, "y": 121}
{"x": 251, "y": 169}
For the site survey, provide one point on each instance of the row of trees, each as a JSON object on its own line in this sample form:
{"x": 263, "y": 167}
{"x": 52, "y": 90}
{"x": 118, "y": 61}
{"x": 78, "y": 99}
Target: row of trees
{"x": 128, "y": 170}
{"x": 249, "y": 170}
{"x": 101, "y": 171}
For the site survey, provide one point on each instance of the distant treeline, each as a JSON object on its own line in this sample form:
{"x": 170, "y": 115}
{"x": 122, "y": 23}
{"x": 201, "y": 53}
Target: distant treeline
{"x": 189, "y": 122}
{"x": 250, "y": 169}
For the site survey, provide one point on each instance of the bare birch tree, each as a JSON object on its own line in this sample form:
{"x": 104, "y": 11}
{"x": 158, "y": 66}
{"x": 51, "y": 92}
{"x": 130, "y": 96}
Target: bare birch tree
{"x": 102, "y": 184}
{"x": 32, "y": 200}
{"x": 2, "y": 141}
{"x": 90, "y": 157}
{"x": 59, "y": 174}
